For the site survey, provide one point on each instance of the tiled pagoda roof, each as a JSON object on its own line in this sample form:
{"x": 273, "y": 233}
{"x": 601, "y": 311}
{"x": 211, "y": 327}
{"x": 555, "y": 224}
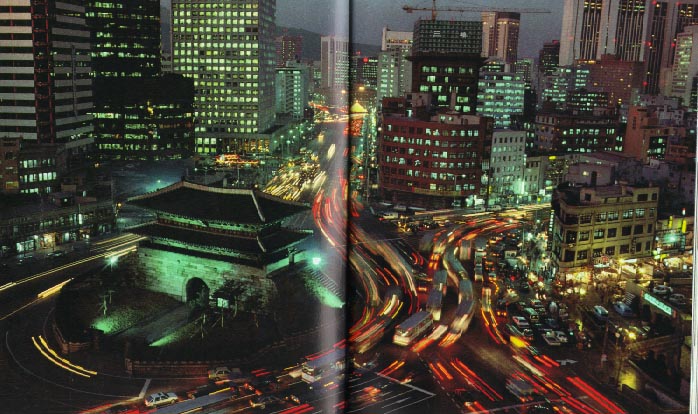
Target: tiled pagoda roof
{"x": 254, "y": 246}
{"x": 220, "y": 204}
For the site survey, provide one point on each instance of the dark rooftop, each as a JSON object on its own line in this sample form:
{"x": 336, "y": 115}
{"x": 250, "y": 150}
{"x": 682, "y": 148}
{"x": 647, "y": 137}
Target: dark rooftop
{"x": 222, "y": 204}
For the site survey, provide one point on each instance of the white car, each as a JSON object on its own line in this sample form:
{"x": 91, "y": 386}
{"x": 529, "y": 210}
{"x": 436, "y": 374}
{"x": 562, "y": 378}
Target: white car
{"x": 561, "y": 337}
{"x": 550, "y": 339}
{"x": 677, "y": 299}
{"x": 662, "y": 290}
{"x": 219, "y": 373}
{"x": 520, "y": 322}
{"x": 160, "y": 399}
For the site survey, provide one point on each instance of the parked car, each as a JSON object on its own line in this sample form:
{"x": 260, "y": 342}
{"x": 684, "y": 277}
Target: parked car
{"x": 562, "y": 337}
{"x": 662, "y": 290}
{"x": 637, "y": 333}
{"x": 600, "y": 313}
{"x": 677, "y": 299}
{"x": 520, "y": 322}
{"x": 25, "y": 260}
{"x": 56, "y": 254}
{"x": 550, "y": 338}
{"x": 161, "y": 398}
{"x": 623, "y": 310}
{"x": 552, "y": 323}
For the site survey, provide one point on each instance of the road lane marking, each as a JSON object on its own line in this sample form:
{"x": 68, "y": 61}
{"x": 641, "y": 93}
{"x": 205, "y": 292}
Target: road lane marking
{"x": 144, "y": 389}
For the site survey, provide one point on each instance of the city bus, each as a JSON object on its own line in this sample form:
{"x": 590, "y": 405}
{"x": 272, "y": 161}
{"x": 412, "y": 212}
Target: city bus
{"x": 331, "y": 363}
{"x": 412, "y": 328}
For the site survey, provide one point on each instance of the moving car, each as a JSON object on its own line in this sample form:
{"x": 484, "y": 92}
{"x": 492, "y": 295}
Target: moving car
{"x": 219, "y": 373}
{"x": 262, "y": 401}
{"x": 160, "y": 399}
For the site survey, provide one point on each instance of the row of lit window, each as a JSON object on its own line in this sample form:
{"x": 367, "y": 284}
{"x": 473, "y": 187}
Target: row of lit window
{"x": 430, "y": 164}
{"x": 184, "y": 46}
{"x": 31, "y": 178}
{"x": 209, "y": 115}
{"x": 609, "y": 251}
{"x": 196, "y": 13}
{"x": 210, "y": 5}
{"x": 201, "y": 22}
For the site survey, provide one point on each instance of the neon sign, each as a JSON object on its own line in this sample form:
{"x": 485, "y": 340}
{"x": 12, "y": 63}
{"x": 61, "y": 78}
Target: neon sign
{"x": 658, "y": 303}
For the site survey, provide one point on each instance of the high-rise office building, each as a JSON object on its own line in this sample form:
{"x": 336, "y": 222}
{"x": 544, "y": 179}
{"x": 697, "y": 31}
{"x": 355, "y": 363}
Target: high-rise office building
{"x": 447, "y": 36}
{"x": 396, "y": 40}
{"x": 45, "y": 75}
{"x": 154, "y": 119}
{"x": 581, "y": 22}
{"x": 289, "y": 48}
{"x": 548, "y": 62}
{"x": 125, "y": 39}
{"x": 334, "y": 57}
{"x": 363, "y": 70}
{"x": 685, "y": 66}
{"x": 666, "y": 19}
{"x": 227, "y": 47}
{"x": 446, "y": 62}
{"x": 622, "y": 29}
{"x": 500, "y": 35}
{"x": 592, "y": 28}
{"x": 292, "y": 85}
{"x": 632, "y": 30}
{"x": 500, "y": 95}
{"x": 394, "y": 75}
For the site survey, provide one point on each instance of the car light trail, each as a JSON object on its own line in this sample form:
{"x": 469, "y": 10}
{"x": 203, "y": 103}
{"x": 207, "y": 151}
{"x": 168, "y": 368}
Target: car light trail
{"x": 57, "y": 360}
{"x": 475, "y": 380}
{"x": 595, "y": 395}
{"x": 55, "y": 289}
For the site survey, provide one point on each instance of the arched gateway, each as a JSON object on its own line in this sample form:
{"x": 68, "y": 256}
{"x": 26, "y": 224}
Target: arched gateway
{"x": 204, "y": 235}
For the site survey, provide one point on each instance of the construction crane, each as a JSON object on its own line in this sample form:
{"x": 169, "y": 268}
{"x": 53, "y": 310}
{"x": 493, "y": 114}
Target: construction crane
{"x": 434, "y": 9}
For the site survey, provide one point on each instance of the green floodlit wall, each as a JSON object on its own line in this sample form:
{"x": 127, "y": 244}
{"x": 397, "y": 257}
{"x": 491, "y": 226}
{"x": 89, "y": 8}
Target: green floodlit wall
{"x": 169, "y": 273}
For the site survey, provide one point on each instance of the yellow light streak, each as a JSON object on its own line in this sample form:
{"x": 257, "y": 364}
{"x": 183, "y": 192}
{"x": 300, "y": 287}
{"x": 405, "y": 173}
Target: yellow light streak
{"x": 55, "y": 289}
{"x": 57, "y": 363}
{"x": 63, "y": 360}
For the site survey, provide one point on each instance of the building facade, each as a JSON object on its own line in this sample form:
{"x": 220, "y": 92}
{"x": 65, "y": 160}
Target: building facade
{"x": 646, "y": 137}
{"x": 565, "y": 133}
{"x": 289, "y": 48}
{"x": 227, "y": 48}
{"x": 45, "y": 79}
{"x": 500, "y": 35}
{"x": 394, "y": 76}
{"x": 601, "y": 225}
{"x": 334, "y": 57}
{"x": 506, "y": 167}
{"x": 500, "y": 96}
{"x": 292, "y": 89}
{"x": 433, "y": 162}
{"x": 685, "y": 67}
{"x": 666, "y": 19}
